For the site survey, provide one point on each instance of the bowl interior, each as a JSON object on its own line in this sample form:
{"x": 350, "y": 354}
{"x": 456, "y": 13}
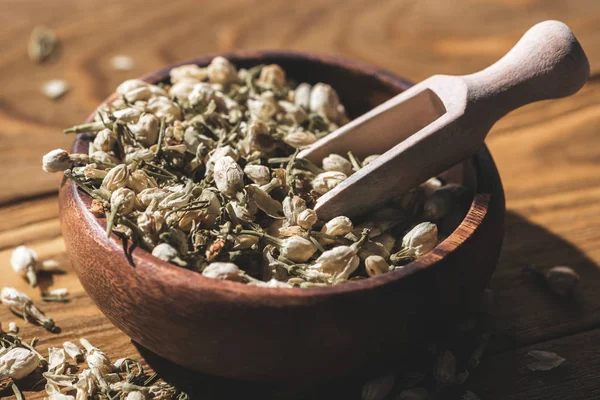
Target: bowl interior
{"x": 361, "y": 87}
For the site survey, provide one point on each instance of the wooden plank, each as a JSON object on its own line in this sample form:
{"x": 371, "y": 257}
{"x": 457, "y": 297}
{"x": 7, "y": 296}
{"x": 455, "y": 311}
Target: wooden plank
{"x": 506, "y": 376}
{"x": 415, "y": 39}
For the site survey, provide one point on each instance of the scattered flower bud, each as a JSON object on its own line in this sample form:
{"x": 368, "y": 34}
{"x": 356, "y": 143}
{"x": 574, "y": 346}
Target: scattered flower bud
{"x": 302, "y": 95}
{"x": 73, "y": 351}
{"x": 421, "y": 239}
{"x": 228, "y": 175}
{"x": 326, "y": 181}
{"x": 324, "y": 101}
{"x": 376, "y": 265}
{"x": 17, "y": 363}
{"x": 165, "y": 252}
{"x": 122, "y": 200}
{"x": 164, "y": 108}
{"x": 24, "y": 262}
{"x": 105, "y": 140}
{"x": 562, "y": 280}
{"x": 297, "y": 249}
{"x": 222, "y": 270}
{"x": 22, "y": 305}
{"x": 307, "y": 218}
{"x": 116, "y": 178}
{"x": 129, "y": 85}
{"x": 13, "y": 328}
{"x": 378, "y": 389}
{"x": 263, "y": 108}
{"x": 292, "y": 207}
{"x": 369, "y": 159}
{"x": 271, "y": 76}
{"x": 146, "y": 130}
{"x": 258, "y": 174}
{"x": 55, "y": 88}
{"x": 56, "y": 161}
{"x": 189, "y": 72}
{"x": 220, "y": 70}
{"x": 338, "y": 226}
{"x": 444, "y": 370}
{"x": 335, "y": 162}
{"x": 299, "y": 139}
{"x": 140, "y": 180}
{"x": 337, "y": 264}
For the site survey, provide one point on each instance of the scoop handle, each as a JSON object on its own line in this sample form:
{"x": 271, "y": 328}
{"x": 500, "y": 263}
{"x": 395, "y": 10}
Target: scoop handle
{"x": 547, "y": 63}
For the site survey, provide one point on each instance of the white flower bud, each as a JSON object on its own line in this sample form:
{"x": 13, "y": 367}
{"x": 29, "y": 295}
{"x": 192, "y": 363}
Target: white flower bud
{"x": 228, "y": 175}
{"x": 165, "y": 252}
{"x": 302, "y": 95}
{"x": 73, "y": 351}
{"x": 376, "y": 265}
{"x": 150, "y": 222}
{"x": 326, "y": 181}
{"x": 201, "y": 94}
{"x": 272, "y": 283}
{"x": 338, "y": 226}
{"x": 116, "y": 178}
{"x": 17, "y": 363}
{"x": 220, "y": 70}
{"x": 56, "y": 360}
{"x": 135, "y": 395}
{"x": 421, "y": 239}
{"x": 292, "y": 207}
{"x": 162, "y": 107}
{"x": 293, "y": 112}
{"x": 14, "y": 298}
{"x": 258, "y": 137}
{"x": 307, "y": 218}
{"x": 127, "y": 115}
{"x": 218, "y": 153}
{"x": 146, "y": 196}
{"x": 56, "y": 161}
{"x": 335, "y": 162}
{"x": 337, "y": 264}
{"x": 139, "y": 155}
{"x": 123, "y": 200}
{"x": 271, "y": 76}
{"x": 299, "y": 139}
{"x": 130, "y": 85}
{"x": 324, "y": 101}
{"x": 259, "y": 174}
{"x": 140, "y": 180}
{"x": 146, "y": 130}
{"x": 12, "y": 327}
{"x": 244, "y": 241}
{"x": 221, "y": 270}
{"x": 182, "y": 90}
{"x": 141, "y": 93}
{"x": 188, "y": 72}
{"x": 263, "y": 108}
{"x": 297, "y": 249}
{"x": 103, "y": 157}
{"x": 105, "y": 140}
{"x": 24, "y": 262}
{"x": 369, "y": 159}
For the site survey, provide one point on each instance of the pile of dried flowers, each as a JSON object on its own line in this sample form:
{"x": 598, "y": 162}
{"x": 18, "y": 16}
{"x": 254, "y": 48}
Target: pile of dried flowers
{"x": 202, "y": 171}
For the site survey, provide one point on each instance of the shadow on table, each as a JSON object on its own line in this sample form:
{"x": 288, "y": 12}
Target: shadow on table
{"x": 525, "y": 244}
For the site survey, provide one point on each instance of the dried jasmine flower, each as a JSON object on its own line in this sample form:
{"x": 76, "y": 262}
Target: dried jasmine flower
{"x": 122, "y": 63}
{"x": 544, "y": 360}
{"x": 203, "y": 171}
{"x": 73, "y": 351}
{"x": 17, "y": 363}
{"x": 22, "y": 305}
{"x": 13, "y": 328}
{"x": 42, "y": 44}
{"x": 562, "y": 280}
{"x": 55, "y": 89}
{"x": 24, "y": 262}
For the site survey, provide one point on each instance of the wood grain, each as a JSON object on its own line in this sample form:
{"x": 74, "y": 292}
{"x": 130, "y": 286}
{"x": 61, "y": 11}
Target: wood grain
{"x": 547, "y": 153}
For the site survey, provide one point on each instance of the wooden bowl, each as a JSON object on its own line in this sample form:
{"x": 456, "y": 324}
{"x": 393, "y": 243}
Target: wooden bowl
{"x": 233, "y": 330}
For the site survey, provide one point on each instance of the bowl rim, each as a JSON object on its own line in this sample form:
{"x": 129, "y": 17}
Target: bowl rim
{"x": 191, "y": 279}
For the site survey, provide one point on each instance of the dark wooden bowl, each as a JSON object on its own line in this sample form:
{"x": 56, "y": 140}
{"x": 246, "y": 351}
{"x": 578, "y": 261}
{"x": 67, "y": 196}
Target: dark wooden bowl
{"x": 238, "y": 331}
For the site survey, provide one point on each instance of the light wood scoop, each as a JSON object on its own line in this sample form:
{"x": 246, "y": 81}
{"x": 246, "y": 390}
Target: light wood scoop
{"x": 445, "y": 119}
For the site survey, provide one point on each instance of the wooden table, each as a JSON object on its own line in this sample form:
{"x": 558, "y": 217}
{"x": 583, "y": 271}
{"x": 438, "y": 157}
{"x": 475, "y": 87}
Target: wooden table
{"x": 548, "y": 153}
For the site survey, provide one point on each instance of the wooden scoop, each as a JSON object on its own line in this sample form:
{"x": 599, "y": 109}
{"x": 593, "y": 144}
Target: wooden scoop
{"x": 445, "y": 119}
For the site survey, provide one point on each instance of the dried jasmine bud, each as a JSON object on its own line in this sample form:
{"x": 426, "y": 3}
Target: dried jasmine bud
{"x": 228, "y": 175}
{"x": 338, "y": 226}
{"x": 220, "y": 70}
{"x": 272, "y": 77}
{"x": 444, "y": 371}
{"x": 116, "y": 178}
{"x": 17, "y": 363}
{"x": 307, "y": 218}
{"x": 258, "y": 174}
{"x": 146, "y": 130}
{"x": 417, "y": 242}
{"x": 377, "y": 389}
{"x": 562, "y": 280}
{"x": 222, "y": 270}
{"x": 139, "y": 180}
{"x": 292, "y": 207}
{"x": 168, "y": 253}
{"x": 188, "y": 73}
{"x": 299, "y": 139}
{"x": 297, "y": 249}
{"x": 376, "y": 265}
{"x": 326, "y": 181}
{"x": 325, "y": 101}
{"x": 335, "y": 162}
{"x": 105, "y": 140}
{"x": 56, "y": 161}
{"x": 22, "y": 305}
{"x": 302, "y": 95}
{"x": 24, "y": 262}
